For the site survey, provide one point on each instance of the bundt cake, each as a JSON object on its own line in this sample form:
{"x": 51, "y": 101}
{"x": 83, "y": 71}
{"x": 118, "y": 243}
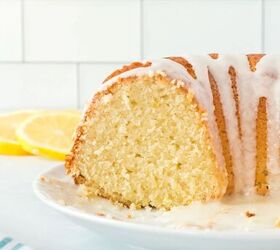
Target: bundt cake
{"x": 180, "y": 129}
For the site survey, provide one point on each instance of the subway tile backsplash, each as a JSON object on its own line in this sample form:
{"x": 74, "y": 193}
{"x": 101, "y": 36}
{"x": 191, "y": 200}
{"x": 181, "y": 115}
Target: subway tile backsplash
{"x": 271, "y": 26}
{"x": 90, "y": 78}
{"x": 55, "y": 53}
{"x": 10, "y": 30}
{"x": 201, "y": 27}
{"x": 86, "y": 30}
{"x": 38, "y": 86}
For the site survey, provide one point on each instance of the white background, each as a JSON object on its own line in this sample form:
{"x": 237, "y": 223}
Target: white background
{"x": 55, "y": 53}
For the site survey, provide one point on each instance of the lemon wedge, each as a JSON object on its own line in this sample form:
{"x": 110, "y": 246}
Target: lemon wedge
{"x": 9, "y": 122}
{"x": 48, "y": 134}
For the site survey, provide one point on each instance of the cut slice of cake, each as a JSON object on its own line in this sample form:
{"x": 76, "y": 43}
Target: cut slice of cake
{"x": 145, "y": 141}
{"x": 181, "y": 129}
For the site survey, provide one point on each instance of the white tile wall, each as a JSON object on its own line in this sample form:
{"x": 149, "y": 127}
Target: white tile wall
{"x": 272, "y": 27}
{"x": 10, "y": 30}
{"x": 91, "y": 77}
{"x": 201, "y": 27}
{"x": 71, "y": 30}
{"x": 55, "y": 53}
{"x": 41, "y": 86}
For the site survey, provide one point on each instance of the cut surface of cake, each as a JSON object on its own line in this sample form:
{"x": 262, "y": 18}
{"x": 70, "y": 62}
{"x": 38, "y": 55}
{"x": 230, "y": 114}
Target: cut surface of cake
{"x": 169, "y": 132}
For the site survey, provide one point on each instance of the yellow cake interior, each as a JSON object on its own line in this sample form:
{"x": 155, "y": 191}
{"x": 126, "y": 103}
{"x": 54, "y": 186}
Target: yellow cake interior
{"x": 147, "y": 143}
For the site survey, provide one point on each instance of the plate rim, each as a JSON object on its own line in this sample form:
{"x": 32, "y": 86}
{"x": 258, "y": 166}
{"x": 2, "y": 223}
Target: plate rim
{"x": 269, "y": 234}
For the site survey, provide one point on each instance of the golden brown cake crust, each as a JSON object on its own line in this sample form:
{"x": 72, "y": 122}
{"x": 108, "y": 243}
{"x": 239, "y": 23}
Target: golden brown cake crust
{"x": 261, "y": 185}
{"x": 261, "y": 144}
{"x": 126, "y": 68}
{"x": 185, "y": 64}
{"x": 221, "y": 124}
{"x": 214, "y": 55}
{"x": 253, "y": 60}
{"x": 236, "y": 98}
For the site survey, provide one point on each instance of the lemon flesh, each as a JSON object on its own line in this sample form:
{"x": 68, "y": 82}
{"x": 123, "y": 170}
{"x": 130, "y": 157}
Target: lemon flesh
{"x": 9, "y": 122}
{"x": 48, "y": 134}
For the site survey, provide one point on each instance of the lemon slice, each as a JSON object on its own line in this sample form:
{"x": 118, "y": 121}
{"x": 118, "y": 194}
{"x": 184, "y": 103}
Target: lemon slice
{"x": 48, "y": 134}
{"x": 9, "y": 122}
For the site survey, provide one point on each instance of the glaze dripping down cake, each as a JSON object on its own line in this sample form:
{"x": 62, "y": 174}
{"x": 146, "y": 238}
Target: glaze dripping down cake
{"x": 180, "y": 129}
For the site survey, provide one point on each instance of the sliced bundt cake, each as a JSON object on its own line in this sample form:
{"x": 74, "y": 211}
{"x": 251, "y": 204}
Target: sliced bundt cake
{"x": 181, "y": 129}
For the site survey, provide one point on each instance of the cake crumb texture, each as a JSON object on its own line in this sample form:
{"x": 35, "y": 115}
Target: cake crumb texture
{"x": 148, "y": 146}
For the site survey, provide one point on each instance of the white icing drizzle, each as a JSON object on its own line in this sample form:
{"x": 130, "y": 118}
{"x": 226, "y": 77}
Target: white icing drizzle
{"x": 200, "y": 64}
{"x": 238, "y": 213}
{"x": 264, "y": 82}
{"x": 248, "y": 115}
{"x": 219, "y": 69}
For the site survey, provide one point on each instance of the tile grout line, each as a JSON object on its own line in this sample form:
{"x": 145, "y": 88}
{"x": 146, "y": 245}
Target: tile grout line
{"x": 141, "y": 30}
{"x": 65, "y": 62}
{"x": 263, "y": 26}
{"x": 78, "y": 85}
{"x": 22, "y": 31}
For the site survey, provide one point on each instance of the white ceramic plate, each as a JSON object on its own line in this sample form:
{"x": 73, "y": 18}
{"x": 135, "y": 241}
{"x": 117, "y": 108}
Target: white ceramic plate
{"x": 56, "y": 190}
